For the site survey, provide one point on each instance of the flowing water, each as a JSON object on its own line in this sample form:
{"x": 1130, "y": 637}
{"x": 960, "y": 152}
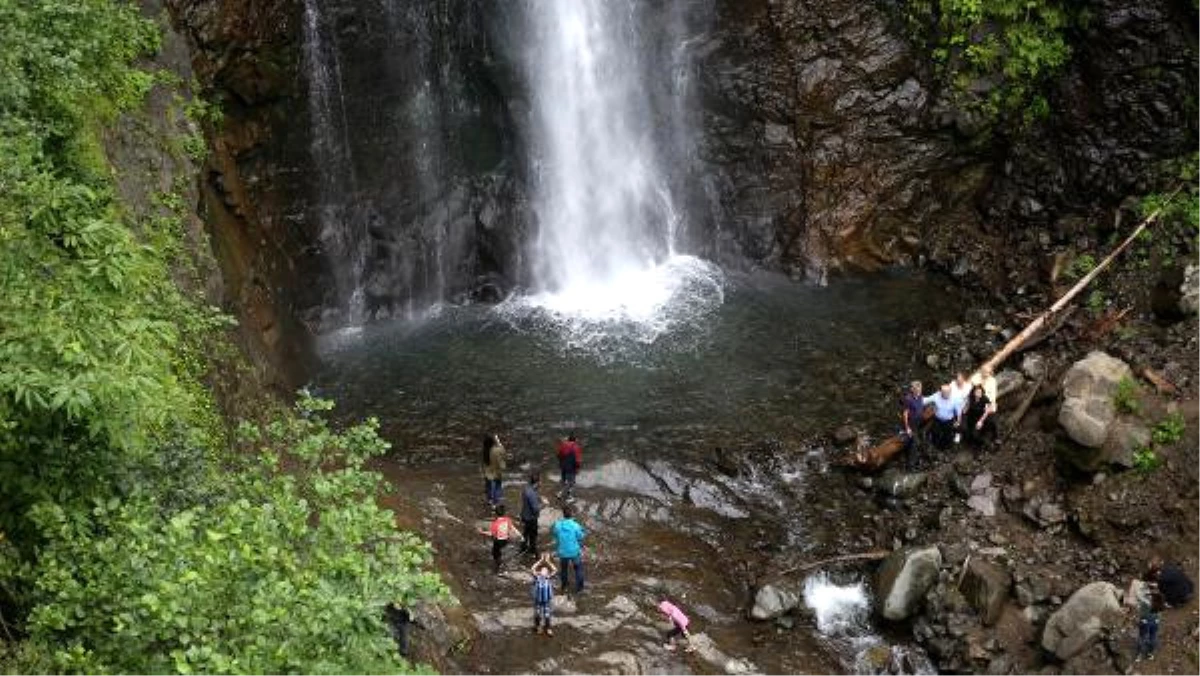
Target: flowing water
{"x": 604, "y": 209}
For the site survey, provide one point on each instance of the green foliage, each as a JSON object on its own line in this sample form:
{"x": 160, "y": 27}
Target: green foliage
{"x": 1169, "y": 430}
{"x": 276, "y": 574}
{"x": 1181, "y": 213}
{"x": 995, "y": 55}
{"x": 134, "y": 536}
{"x": 1145, "y": 460}
{"x": 1126, "y": 396}
{"x": 1096, "y": 302}
{"x": 1080, "y": 266}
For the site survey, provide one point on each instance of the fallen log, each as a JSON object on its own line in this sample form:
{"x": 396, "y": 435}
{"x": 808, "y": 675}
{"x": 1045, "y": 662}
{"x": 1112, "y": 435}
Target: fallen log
{"x": 1028, "y": 332}
{"x": 873, "y": 458}
{"x": 873, "y": 555}
{"x": 1015, "y": 420}
{"x": 1160, "y": 382}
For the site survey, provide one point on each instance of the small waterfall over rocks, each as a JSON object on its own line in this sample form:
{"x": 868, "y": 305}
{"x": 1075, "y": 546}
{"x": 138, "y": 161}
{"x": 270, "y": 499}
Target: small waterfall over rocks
{"x": 344, "y": 246}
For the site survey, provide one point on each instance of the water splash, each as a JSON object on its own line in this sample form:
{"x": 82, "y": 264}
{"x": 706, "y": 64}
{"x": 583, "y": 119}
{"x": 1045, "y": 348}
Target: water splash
{"x": 604, "y": 317}
{"x": 840, "y": 610}
{"x": 843, "y": 617}
{"x": 604, "y": 256}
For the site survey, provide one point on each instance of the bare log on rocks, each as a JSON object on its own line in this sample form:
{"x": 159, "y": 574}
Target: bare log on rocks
{"x": 1020, "y": 412}
{"x": 873, "y": 555}
{"x": 1160, "y": 382}
{"x": 875, "y": 457}
{"x": 1021, "y": 338}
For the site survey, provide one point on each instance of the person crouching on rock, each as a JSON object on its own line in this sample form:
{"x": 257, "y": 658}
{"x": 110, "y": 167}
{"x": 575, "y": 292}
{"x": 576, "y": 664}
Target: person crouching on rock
{"x": 543, "y": 593}
{"x": 1176, "y": 587}
{"x": 679, "y": 625}
{"x": 501, "y": 531}
{"x": 947, "y": 415}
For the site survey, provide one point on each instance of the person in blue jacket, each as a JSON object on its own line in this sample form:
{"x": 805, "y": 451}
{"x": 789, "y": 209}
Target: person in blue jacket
{"x": 568, "y": 537}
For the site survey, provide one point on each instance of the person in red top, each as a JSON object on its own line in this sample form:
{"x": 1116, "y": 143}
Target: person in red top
{"x": 570, "y": 458}
{"x": 501, "y": 531}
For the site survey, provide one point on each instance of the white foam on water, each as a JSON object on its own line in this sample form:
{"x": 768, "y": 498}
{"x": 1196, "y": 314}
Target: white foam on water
{"x": 637, "y": 307}
{"x": 840, "y": 610}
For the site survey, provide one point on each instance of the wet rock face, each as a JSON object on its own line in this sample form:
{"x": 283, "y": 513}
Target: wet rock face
{"x": 1116, "y": 111}
{"x": 815, "y": 143}
{"x": 817, "y": 139}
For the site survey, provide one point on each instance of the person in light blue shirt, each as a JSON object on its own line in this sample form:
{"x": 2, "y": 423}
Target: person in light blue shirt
{"x": 568, "y": 537}
{"x": 947, "y": 415}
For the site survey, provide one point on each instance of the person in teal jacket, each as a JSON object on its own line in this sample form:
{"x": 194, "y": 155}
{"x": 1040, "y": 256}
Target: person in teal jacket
{"x": 568, "y": 537}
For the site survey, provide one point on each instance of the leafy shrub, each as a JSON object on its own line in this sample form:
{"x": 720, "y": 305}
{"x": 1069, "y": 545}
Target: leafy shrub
{"x": 1080, "y": 266}
{"x": 1126, "y": 396}
{"x": 1145, "y": 460}
{"x": 284, "y": 573}
{"x": 994, "y": 56}
{"x": 1169, "y": 430}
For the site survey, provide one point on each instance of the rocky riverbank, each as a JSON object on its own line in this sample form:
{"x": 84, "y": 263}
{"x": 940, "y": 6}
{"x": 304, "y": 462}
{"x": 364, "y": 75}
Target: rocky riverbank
{"x": 1004, "y": 557}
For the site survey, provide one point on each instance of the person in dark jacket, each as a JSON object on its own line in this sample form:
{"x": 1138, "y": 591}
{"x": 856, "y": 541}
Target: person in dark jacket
{"x": 570, "y": 457}
{"x": 1176, "y": 587}
{"x": 531, "y": 509}
{"x": 980, "y": 426}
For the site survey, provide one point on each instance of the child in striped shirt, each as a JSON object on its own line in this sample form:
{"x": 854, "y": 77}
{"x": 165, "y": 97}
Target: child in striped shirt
{"x": 543, "y": 593}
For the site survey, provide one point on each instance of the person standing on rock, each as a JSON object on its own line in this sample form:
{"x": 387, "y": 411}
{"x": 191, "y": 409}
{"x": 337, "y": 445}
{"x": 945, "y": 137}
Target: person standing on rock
{"x": 980, "y": 426}
{"x": 568, "y": 540}
{"x": 679, "y": 626}
{"x": 531, "y": 510}
{"x": 1149, "y": 605}
{"x": 960, "y": 389}
{"x": 543, "y": 594}
{"x": 494, "y": 460}
{"x": 912, "y": 416}
{"x": 502, "y": 530}
{"x": 991, "y": 388}
{"x": 947, "y": 415}
{"x": 570, "y": 457}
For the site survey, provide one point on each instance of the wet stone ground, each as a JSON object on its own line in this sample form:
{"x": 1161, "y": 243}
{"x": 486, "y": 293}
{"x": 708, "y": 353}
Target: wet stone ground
{"x": 656, "y": 530}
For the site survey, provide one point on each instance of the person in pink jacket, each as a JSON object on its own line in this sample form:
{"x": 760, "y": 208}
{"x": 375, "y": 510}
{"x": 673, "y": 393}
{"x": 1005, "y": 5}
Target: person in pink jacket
{"x": 679, "y": 624}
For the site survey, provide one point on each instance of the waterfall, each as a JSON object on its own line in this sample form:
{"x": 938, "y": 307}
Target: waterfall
{"x": 345, "y": 249}
{"x": 607, "y": 223}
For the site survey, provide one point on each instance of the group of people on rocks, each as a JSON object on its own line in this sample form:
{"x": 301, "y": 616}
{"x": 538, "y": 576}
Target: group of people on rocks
{"x": 962, "y": 410}
{"x": 567, "y": 534}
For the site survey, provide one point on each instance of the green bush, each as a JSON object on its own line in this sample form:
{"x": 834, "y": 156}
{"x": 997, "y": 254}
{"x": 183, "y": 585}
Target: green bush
{"x": 1169, "y": 430}
{"x": 1126, "y": 396}
{"x": 1145, "y": 460}
{"x": 282, "y": 573}
{"x": 994, "y": 56}
{"x": 134, "y": 535}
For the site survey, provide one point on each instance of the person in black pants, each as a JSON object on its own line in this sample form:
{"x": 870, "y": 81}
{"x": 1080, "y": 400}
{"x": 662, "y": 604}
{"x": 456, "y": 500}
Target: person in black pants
{"x": 531, "y": 509}
{"x": 980, "y": 427}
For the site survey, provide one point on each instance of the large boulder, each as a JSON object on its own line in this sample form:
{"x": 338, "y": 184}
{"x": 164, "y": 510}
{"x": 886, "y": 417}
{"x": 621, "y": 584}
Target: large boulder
{"x": 1082, "y": 620}
{"x": 904, "y": 579}
{"x": 773, "y": 600}
{"x": 986, "y": 586}
{"x": 1087, "y": 410}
